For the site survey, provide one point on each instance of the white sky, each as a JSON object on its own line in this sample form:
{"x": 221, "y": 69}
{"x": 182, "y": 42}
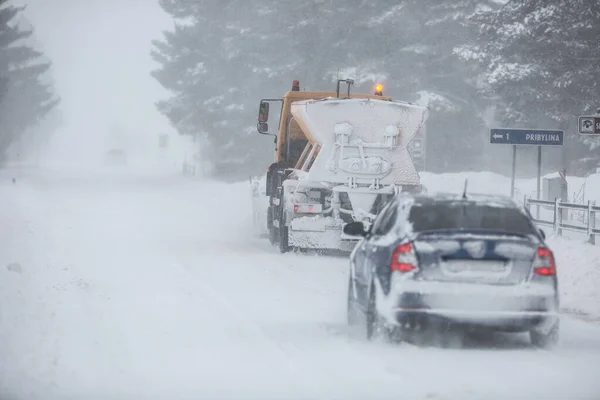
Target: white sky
{"x": 100, "y": 50}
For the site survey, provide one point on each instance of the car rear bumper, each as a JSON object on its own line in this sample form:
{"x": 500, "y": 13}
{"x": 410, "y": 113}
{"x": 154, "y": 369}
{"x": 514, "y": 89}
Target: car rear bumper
{"x": 515, "y": 308}
{"x": 500, "y": 320}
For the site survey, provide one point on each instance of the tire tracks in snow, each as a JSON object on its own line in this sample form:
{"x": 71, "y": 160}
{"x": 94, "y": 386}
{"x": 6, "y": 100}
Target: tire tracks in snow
{"x": 299, "y": 346}
{"x": 296, "y": 270}
{"x": 580, "y": 315}
{"x": 316, "y": 390}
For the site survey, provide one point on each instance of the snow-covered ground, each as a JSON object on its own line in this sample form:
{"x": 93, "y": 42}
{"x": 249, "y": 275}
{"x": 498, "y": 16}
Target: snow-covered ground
{"x": 146, "y": 285}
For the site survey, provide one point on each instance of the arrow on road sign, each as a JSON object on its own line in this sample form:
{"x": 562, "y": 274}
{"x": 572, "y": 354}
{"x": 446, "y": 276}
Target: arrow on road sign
{"x": 497, "y": 136}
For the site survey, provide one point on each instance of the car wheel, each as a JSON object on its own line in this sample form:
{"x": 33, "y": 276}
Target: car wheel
{"x": 546, "y": 340}
{"x": 375, "y": 324}
{"x": 351, "y": 311}
{"x": 453, "y": 338}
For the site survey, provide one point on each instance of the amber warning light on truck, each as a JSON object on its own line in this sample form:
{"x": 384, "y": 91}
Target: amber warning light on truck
{"x": 379, "y": 89}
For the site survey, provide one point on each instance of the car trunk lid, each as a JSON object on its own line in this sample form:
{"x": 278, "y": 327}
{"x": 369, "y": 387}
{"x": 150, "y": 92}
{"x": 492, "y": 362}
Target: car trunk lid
{"x": 503, "y": 259}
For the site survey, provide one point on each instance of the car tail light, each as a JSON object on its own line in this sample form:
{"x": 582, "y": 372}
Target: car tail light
{"x": 404, "y": 258}
{"x": 308, "y": 208}
{"x": 544, "y": 263}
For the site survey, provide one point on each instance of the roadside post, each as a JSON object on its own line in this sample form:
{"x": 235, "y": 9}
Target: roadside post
{"x": 527, "y": 137}
{"x": 589, "y": 125}
{"x": 163, "y": 141}
{"x": 163, "y": 144}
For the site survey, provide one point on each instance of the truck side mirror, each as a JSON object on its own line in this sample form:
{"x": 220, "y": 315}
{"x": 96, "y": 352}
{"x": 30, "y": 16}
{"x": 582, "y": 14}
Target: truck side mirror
{"x": 262, "y": 127}
{"x": 263, "y": 112}
{"x": 355, "y": 229}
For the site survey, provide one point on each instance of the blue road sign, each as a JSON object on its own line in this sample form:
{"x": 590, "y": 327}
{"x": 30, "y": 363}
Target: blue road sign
{"x": 531, "y": 137}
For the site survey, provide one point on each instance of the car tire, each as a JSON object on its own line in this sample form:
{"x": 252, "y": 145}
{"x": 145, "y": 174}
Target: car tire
{"x": 453, "y": 338}
{"x": 546, "y": 340}
{"x": 350, "y": 310}
{"x": 375, "y": 326}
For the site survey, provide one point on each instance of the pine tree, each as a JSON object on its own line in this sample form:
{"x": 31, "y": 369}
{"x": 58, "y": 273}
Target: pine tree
{"x": 26, "y": 98}
{"x": 214, "y": 78}
{"x": 420, "y": 39}
{"x": 542, "y": 58}
{"x": 221, "y": 57}
{"x": 408, "y": 45}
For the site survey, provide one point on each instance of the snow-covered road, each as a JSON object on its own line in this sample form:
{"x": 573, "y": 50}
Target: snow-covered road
{"x": 148, "y": 286}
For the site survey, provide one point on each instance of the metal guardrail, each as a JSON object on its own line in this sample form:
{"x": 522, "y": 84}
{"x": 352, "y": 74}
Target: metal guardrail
{"x": 561, "y": 220}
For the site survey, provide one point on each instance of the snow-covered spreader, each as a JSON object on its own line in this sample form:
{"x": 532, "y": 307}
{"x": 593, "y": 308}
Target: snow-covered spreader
{"x": 338, "y": 159}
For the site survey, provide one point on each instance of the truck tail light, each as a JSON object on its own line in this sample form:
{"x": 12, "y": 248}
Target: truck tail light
{"x": 308, "y": 208}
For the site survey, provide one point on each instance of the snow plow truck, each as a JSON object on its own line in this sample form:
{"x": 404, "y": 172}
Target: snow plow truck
{"x": 338, "y": 159}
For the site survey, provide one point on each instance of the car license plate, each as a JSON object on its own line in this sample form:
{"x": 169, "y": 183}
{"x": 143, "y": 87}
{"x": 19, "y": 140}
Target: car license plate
{"x": 474, "y": 266}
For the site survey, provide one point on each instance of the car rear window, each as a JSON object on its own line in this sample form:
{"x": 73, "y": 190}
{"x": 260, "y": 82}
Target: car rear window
{"x": 468, "y": 216}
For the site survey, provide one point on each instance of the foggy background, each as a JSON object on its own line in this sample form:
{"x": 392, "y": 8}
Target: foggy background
{"x": 100, "y": 54}
{"x": 478, "y": 64}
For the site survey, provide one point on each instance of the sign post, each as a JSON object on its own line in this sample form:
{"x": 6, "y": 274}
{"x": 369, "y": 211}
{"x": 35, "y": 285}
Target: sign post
{"x": 539, "y": 175}
{"x": 527, "y": 137}
{"x": 514, "y": 172}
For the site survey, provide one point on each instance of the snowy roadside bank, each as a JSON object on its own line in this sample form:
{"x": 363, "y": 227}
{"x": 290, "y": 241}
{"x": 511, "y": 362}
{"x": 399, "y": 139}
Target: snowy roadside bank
{"x": 578, "y": 267}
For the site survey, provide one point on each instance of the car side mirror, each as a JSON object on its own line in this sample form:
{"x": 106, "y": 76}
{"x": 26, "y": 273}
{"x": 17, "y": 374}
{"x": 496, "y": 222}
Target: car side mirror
{"x": 542, "y": 233}
{"x": 355, "y": 229}
{"x": 263, "y": 112}
{"x": 262, "y": 128}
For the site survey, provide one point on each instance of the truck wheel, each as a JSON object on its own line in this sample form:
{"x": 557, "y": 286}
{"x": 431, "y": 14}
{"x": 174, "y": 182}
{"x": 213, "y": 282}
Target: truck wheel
{"x": 272, "y": 230}
{"x": 273, "y": 235}
{"x": 283, "y": 229}
{"x": 284, "y": 246}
